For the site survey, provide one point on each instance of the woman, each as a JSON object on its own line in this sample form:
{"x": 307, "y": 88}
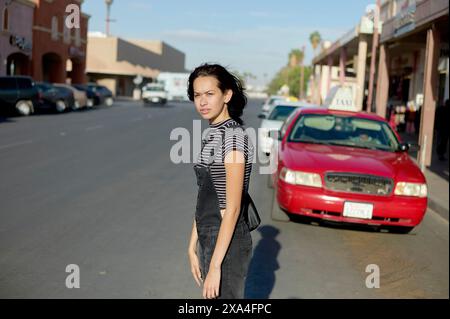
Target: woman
{"x": 223, "y": 172}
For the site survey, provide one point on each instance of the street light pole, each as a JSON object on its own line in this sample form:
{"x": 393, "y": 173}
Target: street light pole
{"x": 108, "y": 11}
{"x": 376, "y": 22}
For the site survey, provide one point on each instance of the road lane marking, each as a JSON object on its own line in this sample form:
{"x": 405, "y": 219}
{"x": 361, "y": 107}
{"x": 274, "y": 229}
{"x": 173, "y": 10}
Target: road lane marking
{"x": 15, "y": 144}
{"x": 94, "y": 127}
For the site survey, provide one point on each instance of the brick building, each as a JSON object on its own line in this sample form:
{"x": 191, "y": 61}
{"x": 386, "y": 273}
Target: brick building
{"x": 16, "y": 36}
{"x": 59, "y": 52}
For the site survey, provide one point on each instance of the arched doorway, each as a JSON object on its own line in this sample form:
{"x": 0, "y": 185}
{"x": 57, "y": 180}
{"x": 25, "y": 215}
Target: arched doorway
{"x": 17, "y": 64}
{"x": 52, "y": 68}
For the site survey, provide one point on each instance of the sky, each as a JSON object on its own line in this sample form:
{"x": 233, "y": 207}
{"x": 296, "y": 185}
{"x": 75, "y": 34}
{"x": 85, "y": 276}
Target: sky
{"x": 246, "y": 36}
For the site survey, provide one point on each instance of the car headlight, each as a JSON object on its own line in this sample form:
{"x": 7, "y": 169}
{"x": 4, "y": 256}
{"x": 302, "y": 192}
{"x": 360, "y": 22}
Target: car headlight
{"x": 300, "y": 178}
{"x": 411, "y": 189}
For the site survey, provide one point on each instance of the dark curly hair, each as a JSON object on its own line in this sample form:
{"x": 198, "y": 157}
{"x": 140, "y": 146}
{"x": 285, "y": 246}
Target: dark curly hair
{"x": 227, "y": 81}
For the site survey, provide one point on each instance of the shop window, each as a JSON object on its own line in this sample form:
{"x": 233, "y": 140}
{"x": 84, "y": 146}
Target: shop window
{"x": 55, "y": 28}
{"x": 66, "y": 32}
{"x": 77, "y": 37}
{"x": 5, "y": 24}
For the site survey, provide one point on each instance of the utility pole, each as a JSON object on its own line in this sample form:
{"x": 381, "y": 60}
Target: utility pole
{"x": 376, "y": 22}
{"x": 302, "y": 74}
{"x": 108, "y": 15}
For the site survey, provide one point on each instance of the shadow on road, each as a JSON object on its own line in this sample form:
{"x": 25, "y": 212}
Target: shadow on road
{"x": 5, "y": 119}
{"x": 264, "y": 263}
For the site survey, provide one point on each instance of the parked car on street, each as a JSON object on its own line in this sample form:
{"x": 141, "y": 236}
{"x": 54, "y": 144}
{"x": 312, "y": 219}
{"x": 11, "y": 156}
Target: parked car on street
{"x": 18, "y": 94}
{"x": 154, "y": 93}
{"x": 99, "y": 94}
{"x": 54, "y": 98}
{"x": 81, "y": 100}
{"x": 175, "y": 84}
{"x": 278, "y": 113}
{"x": 348, "y": 167}
{"x": 270, "y": 102}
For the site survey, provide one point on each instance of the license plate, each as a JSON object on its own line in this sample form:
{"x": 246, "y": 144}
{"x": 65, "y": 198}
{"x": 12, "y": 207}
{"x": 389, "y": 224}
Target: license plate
{"x": 155, "y": 99}
{"x": 358, "y": 210}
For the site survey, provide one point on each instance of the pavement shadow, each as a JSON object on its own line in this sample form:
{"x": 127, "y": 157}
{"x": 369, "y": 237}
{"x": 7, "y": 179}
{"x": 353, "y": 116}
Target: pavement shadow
{"x": 5, "y": 119}
{"x": 261, "y": 273}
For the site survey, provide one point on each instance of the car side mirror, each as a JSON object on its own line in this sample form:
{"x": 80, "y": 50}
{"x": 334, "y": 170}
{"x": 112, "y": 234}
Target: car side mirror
{"x": 261, "y": 116}
{"x": 275, "y": 134}
{"x": 404, "y": 147}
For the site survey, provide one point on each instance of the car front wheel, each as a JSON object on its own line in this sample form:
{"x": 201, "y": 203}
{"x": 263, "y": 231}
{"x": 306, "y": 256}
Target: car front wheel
{"x": 24, "y": 108}
{"x": 61, "y": 106}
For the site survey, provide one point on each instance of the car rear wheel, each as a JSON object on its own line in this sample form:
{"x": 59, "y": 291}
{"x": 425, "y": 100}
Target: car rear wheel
{"x": 61, "y": 106}
{"x": 24, "y": 108}
{"x": 109, "y": 101}
{"x": 277, "y": 213}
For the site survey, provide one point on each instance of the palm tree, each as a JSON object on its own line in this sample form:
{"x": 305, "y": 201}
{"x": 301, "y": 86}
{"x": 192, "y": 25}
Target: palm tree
{"x": 295, "y": 57}
{"x": 315, "y": 38}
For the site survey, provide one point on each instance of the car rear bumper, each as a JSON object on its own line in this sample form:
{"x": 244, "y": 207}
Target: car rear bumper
{"x": 319, "y": 203}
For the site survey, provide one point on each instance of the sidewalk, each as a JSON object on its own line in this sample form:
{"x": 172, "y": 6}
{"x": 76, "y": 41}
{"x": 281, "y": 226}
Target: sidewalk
{"x": 437, "y": 175}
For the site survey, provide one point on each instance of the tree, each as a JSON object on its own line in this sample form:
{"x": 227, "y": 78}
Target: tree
{"x": 315, "y": 38}
{"x": 296, "y": 57}
{"x": 290, "y": 76}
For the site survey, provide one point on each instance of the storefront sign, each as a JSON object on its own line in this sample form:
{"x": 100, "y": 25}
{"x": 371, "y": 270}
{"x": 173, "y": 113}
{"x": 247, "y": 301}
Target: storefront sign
{"x": 406, "y": 18}
{"x": 21, "y": 43}
{"x": 74, "y": 52}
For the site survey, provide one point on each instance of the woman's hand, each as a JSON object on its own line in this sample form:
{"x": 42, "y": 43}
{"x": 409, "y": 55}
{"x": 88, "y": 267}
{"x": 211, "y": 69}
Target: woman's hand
{"x": 195, "y": 267}
{"x": 212, "y": 283}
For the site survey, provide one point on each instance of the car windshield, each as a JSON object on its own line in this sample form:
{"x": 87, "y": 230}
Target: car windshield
{"x": 344, "y": 131}
{"x": 153, "y": 88}
{"x": 281, "y": 112}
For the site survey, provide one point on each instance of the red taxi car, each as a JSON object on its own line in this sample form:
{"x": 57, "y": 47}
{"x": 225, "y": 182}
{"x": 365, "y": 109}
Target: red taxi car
{"x": 348, "y": 167}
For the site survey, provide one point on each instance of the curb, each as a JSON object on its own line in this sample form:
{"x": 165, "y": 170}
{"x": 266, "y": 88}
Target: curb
{"x": 439, "y": 207}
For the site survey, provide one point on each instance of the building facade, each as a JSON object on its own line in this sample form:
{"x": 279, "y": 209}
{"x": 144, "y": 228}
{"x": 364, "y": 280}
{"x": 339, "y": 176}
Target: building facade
{"x": 59, "y": 51}
{"x": 16, "y": 36}
{"x": 116, "y": 62}
{"x": 345, "y": 62}
{"x": 413, "y": 68}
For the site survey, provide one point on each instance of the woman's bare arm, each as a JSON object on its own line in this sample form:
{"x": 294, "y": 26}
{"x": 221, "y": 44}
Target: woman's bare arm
{"x": 193, "y": 257}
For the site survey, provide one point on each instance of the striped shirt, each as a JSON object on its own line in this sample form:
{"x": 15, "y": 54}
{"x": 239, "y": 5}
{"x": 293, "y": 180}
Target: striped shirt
{"x": 214, "y": 152}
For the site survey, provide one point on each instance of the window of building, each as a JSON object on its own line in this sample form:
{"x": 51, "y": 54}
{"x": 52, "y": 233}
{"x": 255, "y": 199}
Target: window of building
{"x": 55, "y": 28}
{"x": 77, "y": 37}
{"x": 66, "y": 32}
{"x": 5, "y": 24}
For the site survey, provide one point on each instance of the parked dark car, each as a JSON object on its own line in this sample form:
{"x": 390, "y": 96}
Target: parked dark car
{"x": 81, "y": 100}
{"x": 17, "y": 95}
{"x": 99, "y": 93}
{"x": 54, "y": 98}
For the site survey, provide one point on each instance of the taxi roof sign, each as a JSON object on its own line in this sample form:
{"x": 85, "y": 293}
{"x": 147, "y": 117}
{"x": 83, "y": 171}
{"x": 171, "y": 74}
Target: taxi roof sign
{"x": 341, "y": 98}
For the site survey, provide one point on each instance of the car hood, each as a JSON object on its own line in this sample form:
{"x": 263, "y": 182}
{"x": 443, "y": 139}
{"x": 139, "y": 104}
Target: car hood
{"x": 325, "y": 158}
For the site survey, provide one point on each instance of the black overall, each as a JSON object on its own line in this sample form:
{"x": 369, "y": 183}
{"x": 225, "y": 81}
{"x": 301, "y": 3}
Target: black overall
{"x": 208, "y": 219}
